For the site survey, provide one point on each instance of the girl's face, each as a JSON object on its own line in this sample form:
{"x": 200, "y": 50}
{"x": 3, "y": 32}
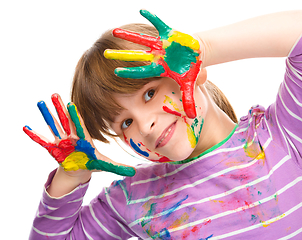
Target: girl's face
{"x": 153, "y": 122}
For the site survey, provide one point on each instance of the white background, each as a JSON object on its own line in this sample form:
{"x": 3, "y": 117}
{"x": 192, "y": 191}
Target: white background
{"x": 41, "y": 42}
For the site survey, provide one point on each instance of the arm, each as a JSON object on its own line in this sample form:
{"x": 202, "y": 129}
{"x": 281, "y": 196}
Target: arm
{"x": 60, "y": 207}
{"x": 270, "y": 35}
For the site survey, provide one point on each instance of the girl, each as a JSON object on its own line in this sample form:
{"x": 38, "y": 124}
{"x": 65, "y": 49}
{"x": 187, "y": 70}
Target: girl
{"x": 212, "y": 178}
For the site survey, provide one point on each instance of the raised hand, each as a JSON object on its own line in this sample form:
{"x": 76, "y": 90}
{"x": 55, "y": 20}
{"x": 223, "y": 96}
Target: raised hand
{"x": 173, "y": 54}
{"x": 73, "y": 148}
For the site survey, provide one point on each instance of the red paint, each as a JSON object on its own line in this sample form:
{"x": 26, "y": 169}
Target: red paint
{"x": 161, "y": 160}
{"x": 149, "y": 41}
{"x": 145, "y": 146}
{"x": 187, "y": 84}
{"x": 59, "y": 152}
{"x": 62, "y": 116}
{"x": 168, "y": 110}
{"x": 126, "y": 140}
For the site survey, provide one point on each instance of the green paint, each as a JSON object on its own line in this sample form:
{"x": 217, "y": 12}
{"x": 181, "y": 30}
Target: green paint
{"x": 194, "y": 127}
{"x": 152, "y": 70}
{"x": 72, "y": 109}
{"x": 94, "y": 163}
{"x": 149, "y": 213}
{"x": 209, "y": 150}
{"x": 162, "y": 28}
{"x": 179, "y": 58}
{"x": 109, "y": 167}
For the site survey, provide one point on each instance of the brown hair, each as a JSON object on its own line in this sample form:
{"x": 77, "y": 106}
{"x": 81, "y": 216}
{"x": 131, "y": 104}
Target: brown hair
{"x": 94, "y": 83}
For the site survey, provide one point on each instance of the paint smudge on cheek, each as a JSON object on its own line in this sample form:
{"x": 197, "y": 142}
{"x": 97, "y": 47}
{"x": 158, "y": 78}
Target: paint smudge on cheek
{"x": 168, "y": 110}
{"x": 172, "y": 103}
{"x": 126, "y": 139}
{"x": 194, "y": 131}
{"x": 137, "y": 149}
{"x": 191, "y": 136}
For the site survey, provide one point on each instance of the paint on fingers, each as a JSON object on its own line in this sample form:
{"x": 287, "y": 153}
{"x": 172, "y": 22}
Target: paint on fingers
{"x": 61, "y": 113}
{"x": 73, "y": 112}
{"x": 48, "y": 118}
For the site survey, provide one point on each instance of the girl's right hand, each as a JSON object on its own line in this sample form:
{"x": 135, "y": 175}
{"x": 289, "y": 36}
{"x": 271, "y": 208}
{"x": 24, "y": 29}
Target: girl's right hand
{"x": 73, "y": 148}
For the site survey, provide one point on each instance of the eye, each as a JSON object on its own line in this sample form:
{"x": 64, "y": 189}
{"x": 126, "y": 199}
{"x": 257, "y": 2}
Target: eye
{"x": 149, "y": 94}
{"x": 126, "y": 123}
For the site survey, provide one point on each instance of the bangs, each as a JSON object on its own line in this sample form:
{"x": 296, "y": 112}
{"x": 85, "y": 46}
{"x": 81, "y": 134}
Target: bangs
{"x": 95, "y": 83}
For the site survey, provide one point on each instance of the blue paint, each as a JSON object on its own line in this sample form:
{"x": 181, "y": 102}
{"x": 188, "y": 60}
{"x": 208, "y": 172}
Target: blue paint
{"x": 28, "y": 127}
{"x": 206, "y": 238}
{"x": 165, "y": 234}
{"x": 48, "y": 118}
{"x": 85, "y": 146}
{"x": 137, "y": 149}
{"x": 173, "y": 208}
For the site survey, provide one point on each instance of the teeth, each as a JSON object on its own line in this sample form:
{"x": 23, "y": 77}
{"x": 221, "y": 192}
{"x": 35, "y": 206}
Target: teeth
{"x": 166, "y": 134}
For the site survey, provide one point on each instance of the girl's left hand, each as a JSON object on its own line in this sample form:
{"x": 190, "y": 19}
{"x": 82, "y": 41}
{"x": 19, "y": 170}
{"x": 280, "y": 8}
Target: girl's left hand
{"x": 173, "y": 54}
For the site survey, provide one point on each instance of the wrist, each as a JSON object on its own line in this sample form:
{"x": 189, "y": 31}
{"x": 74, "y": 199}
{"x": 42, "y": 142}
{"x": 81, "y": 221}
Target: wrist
{"x": 64, "y": 182}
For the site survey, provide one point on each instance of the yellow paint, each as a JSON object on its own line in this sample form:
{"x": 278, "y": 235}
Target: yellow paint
{"x": 184, "y": 40}
{"x": 268, "y": 222}
{"x": 128, "y": 55}
{"x": 172, "y": 103}
{"x": 75, "y": 161}
{"x": 184, "y": 218}
{"x": 191, "y": 136}
{"x": 261, "y": 158}
{"x": 218, "y": 201}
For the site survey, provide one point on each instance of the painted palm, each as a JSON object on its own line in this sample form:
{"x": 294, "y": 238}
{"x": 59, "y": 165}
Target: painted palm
{"x": 71, "y": 149}
{"x": 173, "y": 54}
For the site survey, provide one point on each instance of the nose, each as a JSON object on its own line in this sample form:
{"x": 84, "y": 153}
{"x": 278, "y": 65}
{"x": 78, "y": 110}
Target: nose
{"x": 146, "y": 123}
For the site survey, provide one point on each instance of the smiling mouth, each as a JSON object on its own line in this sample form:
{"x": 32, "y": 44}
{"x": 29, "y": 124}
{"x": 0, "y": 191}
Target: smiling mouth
{"x": 165, "y": 136}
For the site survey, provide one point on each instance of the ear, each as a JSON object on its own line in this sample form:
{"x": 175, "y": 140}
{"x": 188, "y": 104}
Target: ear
{"x": 202, "y": 77}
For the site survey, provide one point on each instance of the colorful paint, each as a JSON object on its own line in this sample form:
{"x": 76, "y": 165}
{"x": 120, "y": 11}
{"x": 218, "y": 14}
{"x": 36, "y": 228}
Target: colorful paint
{"x": 173, "y": 54}
{"x": 168, "y": 110}
{"x": 73, "y": 112}
{"x": 194, "y": 131}
{"x": 60, "y": 111}
{"x": 172, "y": 103}
{"x": 137, "y": 149}
{"x": 73, "y": 157}
{"x": 48, "y": 118}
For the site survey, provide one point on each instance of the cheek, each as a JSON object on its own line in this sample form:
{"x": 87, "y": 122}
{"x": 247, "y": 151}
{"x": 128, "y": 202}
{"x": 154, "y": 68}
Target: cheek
{"x": 173, "y": 106}
{"x": 143, "y": 151}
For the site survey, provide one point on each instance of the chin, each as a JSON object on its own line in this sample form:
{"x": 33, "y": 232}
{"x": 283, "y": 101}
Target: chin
{"x": 180, "y": 154}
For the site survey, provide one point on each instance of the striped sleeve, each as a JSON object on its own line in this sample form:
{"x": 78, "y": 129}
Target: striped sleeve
{"x": 287, "y": 111}
{"x": 55, "y": 217}
{"x": 104, "y": 217}
{"x": 66, "y": 218}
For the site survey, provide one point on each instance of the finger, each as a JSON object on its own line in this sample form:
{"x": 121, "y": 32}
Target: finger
{"x": 110, "y": 167}
{"x": 128, "y": 55}
{"x": 152, "y": 70}
{"x": 37, "y": 138}
{"x": 62, "y": 112}
{"x": 73, "y": 112}
{"x": 146, "y": 40}
{"x": 161, "y": 27}
{"x": 49, "y": 119}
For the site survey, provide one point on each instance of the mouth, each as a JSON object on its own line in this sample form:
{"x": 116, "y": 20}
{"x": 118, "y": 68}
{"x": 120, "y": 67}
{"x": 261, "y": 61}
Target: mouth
{"x": 165, "y": 136}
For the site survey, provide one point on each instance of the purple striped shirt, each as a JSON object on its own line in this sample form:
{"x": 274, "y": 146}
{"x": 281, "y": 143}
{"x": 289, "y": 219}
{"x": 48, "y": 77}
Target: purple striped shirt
{"x": 247, "y": 187}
